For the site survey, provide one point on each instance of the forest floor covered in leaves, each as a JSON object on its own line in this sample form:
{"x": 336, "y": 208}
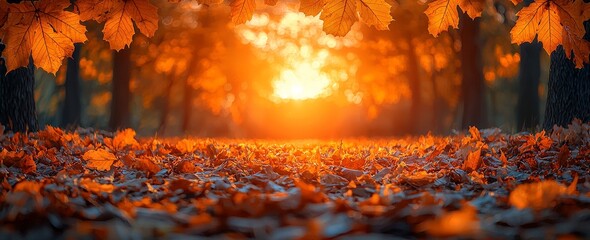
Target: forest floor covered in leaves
{"x": 484, "y": 183}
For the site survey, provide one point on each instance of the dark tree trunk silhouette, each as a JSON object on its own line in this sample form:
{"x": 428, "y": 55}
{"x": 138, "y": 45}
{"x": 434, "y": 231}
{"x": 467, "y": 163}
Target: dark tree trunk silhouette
{"x": 72, "y": 108}
{"x": 527, "y": 110}
{"x": 472, "y": 85}
{"x": 568, "y": 91}
{"x": 17, "y": 98}
{"x": 187, "y": 110}
{"x": 415, "y": 87}
{"x": 121, "y": 94}
{"x": 166, "y": 105}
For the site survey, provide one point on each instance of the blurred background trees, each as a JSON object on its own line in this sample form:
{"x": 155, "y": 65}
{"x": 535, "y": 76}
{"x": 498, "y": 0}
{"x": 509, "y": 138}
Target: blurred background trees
{"x": 279, "y": 75}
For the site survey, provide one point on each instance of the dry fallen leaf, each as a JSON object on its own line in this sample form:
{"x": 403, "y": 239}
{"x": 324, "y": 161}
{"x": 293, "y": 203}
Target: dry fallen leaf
{"x": 99, "y": 159}
{"x": 463, "y": 222}
{"x": 538, "y": 195}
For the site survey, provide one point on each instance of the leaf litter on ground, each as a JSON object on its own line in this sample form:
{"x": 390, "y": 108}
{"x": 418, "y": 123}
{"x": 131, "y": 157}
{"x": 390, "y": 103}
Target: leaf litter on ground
{"x": 482, "y": 184}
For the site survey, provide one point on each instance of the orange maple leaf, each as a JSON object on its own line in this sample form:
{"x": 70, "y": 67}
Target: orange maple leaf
{"x": 375, "y": 13}
{"x": 443, "y": 14}
{"x": 555, "y": 22}
{"x": 242, "y": 10}
{"x": 119, "y": 16}
{"x": 41, "y": 29}
{"x": 99, "y": 159}
{"x": 311, "y": 7}
{"x": 339, "y": 16}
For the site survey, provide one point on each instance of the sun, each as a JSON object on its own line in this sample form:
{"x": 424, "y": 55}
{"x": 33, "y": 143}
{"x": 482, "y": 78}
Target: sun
{"x": 302, "y": 82}
{"x": 306, "y": 60}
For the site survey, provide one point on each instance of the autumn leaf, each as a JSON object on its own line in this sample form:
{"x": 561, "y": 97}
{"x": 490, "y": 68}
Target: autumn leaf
{"x": 100, "y": 159}
{"x": 473, "y": 8}
{"x": 538, "y": 196}
{"x": 311, "y": 7}
{"x": 463, "y": 222}
{"x": 44, "y": 30}
{"x": 28, "y": 186}
{"x": 186, "y": 146}
{"x": 242, "y": 10}
{"x": 375, "y": 13}
{"x": 95, "y": 9}
{"x": 124, "y": 139}
{"x": 339, "y": 16}
{"x": 270, "y": 2}
{"x": 118, "y": 28}
{"x": 96, "y": 187}
{"x": 554, "y": 23}
{"x": 442, "y": 14}
{"x": 3, "y": 13}
{"x": 473, "y": 161}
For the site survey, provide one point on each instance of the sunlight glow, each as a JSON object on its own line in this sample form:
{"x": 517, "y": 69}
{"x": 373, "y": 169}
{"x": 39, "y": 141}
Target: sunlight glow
{"x": 304, "y": 57}
{"x": 303, "y": 82}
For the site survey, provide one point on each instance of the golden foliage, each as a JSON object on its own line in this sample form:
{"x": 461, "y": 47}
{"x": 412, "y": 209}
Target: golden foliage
{"x": 43, "y": 30}
{"x": 555, "y": 22}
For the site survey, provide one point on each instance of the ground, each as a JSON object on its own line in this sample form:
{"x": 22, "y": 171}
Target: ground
{"x": 482, "y": 183}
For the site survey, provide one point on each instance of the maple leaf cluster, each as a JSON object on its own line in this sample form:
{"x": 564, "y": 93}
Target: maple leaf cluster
{"x": 552, "y": 22}
{"x": 48, "y": 29}
{"x": 482, "y": 184}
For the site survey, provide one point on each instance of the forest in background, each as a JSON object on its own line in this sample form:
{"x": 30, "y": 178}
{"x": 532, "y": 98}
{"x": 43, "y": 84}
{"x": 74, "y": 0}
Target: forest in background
{"x": 201, "y": 76}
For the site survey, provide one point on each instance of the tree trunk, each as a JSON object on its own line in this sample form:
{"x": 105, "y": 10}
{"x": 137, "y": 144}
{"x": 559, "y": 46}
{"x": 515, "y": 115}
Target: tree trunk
{"x": 72, "y": 107}
{"x": 17, "y": 98}
{"x": 415, "y": 88}
{"x": 121, "y": 94}
{"x": 472, "y": 85}
{"x": 166, "y": 106}
{"x": 527, "y": 110}
{"x": 569, "y": 90}
{"x": 187, "y": 105}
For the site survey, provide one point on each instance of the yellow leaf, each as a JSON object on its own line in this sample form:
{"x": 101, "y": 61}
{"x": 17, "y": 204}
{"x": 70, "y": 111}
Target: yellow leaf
{"x": 99, "y": 159}
{"x": 442, "y": 14}
{"x": 242, "y": 10}
{"x": 538, "y": 196}
{"x": 311, "y": 7}
{"x": 375, "y": 13}
{"x": 339, "y": 16}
